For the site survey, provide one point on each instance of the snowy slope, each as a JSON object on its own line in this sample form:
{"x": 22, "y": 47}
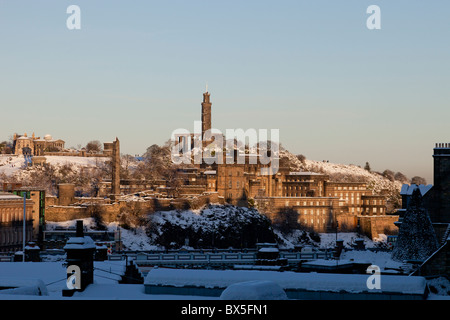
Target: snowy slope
{"x": 14, "y": 165}
{"x": 342, "y": 172}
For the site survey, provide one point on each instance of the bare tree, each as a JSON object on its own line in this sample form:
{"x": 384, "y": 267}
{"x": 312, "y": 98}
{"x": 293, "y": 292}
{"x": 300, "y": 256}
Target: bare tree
{"x": 418, "y": 180}
{"x": 302, "y": 158}
{"x": 127, "y": 160}
{"x": 388, "y": 174}
{"x": 94, "y": 146}
{"x": 401, "y": 177}
{"x": 133, "y": 215}
{"x": 6, "y": 147}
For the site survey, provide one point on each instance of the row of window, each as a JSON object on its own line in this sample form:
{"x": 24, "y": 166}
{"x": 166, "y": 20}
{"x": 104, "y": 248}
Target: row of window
{"x": 315, "y": 222}
{"x": 230, "y": 184}
{"x": 351, "y": 188}
{"x": 309, "y": 203}
{"x": 297, "y": 194}
{"x": 374, "y": 210}
{"x": 317, "y": 212}
{"x": 290, "y": 188}
{"x": 298, "y": 180}
{"x": 13, "y": 214}
{"x": 10, "y": 236}
{"x": 373, "y": 202}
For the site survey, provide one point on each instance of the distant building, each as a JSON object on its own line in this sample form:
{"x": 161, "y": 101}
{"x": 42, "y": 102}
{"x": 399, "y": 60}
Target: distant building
{"x": 11, "y": 222}
{"x": 318, "y": 201}
{"x": 35, "y": 145}
{"x": 320, "y": 204}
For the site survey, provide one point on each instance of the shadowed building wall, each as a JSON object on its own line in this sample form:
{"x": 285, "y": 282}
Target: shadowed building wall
{"x": 440, "y": 212}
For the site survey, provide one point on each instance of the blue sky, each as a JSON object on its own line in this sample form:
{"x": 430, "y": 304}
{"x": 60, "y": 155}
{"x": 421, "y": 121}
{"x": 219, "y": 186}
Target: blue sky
{"x": 137, "y": 70}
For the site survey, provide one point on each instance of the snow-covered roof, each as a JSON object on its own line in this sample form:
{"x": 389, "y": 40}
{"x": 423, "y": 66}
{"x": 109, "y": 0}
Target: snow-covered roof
{"x": 254, "y": 290}
{"x": 408, "y": 190}
{"x": 80, "y": 243}
{"x": 9, "y": 196}
{"x": 328, "y": 263}
{"x": 22, "y": 285}
{"x": 287, "y": 280}
{"x": 269, "y": 250}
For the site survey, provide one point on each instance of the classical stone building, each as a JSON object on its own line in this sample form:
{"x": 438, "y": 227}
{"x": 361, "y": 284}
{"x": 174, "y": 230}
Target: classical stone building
{"x": 37, "y": 198}
{"x": 321, "y": 204}
{"x": 11, "y": 221}
{"x": 39, "y": 146}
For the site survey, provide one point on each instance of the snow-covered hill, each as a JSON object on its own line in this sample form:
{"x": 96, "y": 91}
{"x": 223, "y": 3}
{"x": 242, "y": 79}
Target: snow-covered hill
{"x": 341, "y": 172}
{"x": 219, "y": 226}
{"x": 346, "y": 173}
{"x": 84, "y": 172}
{"x": 14, "y": 166}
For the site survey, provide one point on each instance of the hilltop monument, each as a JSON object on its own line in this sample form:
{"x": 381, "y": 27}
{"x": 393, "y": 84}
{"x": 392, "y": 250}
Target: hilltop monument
{"x": 115, "y": 169}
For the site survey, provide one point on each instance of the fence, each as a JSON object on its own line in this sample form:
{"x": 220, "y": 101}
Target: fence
{"x": 213, "y": 258}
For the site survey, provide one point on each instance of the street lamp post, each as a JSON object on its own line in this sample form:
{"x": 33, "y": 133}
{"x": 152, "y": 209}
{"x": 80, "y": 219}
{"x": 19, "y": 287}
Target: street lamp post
{"x": 24, "y": 225}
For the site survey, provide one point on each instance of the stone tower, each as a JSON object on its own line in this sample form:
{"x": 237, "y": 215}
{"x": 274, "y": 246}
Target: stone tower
{"x": 206, "y": 115}
{"x": 115, "y": 163}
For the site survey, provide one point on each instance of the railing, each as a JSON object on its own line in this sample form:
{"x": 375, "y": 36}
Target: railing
{"x": 6, "y": 258}
{"x": 199, "y": 258}
{"x": 195, "y": 258}
{"x": 219, "y": 258}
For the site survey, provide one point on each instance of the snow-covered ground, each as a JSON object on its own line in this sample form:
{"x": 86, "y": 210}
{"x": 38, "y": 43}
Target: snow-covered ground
{"x": 134, "y": 240}
{"x": 105, "y": 286}
{"x": 12, "y": 165}
{"x": 107, "y": 273}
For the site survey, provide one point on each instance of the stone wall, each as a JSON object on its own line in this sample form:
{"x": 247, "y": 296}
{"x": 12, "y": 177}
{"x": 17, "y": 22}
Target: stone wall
{"x": 317, "y": 213}
{"x": 373, "y": 226}
{"x": 76, "y": 154}
{"x": 347, "y": 222}
{"x": 110, "y": 211}
{"x": 11, "y": 222}
{"x": 438, "y": 263}
{"x": 64, "y": 213}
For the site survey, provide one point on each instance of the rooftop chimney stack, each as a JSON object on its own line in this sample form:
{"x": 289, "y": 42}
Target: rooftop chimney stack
{"x": 80, "y": 252}
{"x": 440, "y": 211}
{"x": 80, "y": 232}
